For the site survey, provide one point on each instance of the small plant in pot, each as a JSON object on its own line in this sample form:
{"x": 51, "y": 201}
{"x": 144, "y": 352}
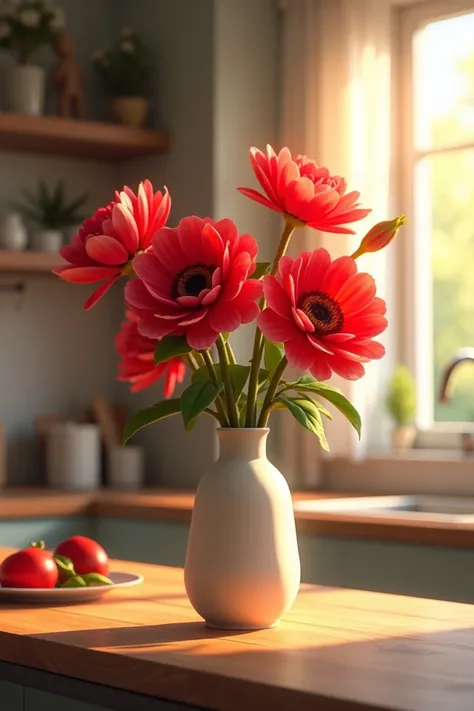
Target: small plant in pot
{"x": 125, "y": 73}
{"x": 400, "y": 402}
{"x": 50, "y": 212}
{"x": 25, "y": 27}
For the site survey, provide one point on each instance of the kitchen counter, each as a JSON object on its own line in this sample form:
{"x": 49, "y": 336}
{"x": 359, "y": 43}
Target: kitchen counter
{"x": 176, "y": 506}
{"x": 337, "y": 650}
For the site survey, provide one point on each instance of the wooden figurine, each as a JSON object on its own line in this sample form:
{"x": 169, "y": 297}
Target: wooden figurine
{"x": 68, "y": 78}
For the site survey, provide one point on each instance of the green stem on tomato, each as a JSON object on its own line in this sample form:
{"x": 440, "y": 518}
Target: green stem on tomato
{"x": 272, "y": 388}
{"x": 251, "y": 417}
{"x": 225, "y": 375}
{"x": 220, "y": 403}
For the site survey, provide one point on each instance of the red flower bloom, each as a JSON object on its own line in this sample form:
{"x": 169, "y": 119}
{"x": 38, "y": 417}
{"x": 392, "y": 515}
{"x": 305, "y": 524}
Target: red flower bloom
{"x": 325, "y": 314}
{"x": 195, "y": 282}
{"x": 136, "y": 364}
{"x": 299, "y": 189}
{"x": 106, "y": 243}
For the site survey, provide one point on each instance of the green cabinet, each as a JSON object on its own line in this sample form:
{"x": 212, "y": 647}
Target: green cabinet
{"x": 36, "y": 700}
{"x": 159, "y": 542}
{"x": 19, "y": 533}
{"x": 11, "y": 696}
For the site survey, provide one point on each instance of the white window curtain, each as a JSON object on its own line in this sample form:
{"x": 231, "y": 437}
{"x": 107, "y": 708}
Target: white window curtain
{"x": 336, "y": 108}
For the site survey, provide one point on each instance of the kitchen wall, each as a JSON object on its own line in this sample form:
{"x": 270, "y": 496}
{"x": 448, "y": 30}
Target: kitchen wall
{"x": 54, "y": 356}
{"x": 215, "y": 87}
{"x": 217, "y": 90}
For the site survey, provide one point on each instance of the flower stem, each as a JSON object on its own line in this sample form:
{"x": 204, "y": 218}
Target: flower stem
{"x": 220, "y": 404}
{"x": 230, "y": 353}
{"x": 272, "y": 388}
{"x": 225, "y": 374}
{"x": 251, "y": 417}
{"x": 193, "y": 363}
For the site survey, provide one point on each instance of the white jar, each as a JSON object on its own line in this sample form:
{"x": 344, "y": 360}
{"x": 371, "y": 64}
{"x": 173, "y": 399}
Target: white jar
{"x": 13, "y": 233}
{"x": 47, "y": 240}
{"x": 73, "y": 456}
{"x": 24, "y": 89}
{"x": 125, "y": 467}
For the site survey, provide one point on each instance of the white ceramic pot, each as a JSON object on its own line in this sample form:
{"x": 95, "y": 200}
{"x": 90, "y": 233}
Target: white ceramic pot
{"x": 403, "y": 437}
{"x": 130, "y": 110}
{"x": 125, "y": 467}
{"x": 47, "y": 240}
{"x": 24, "y": 89}
{"x": 242, "y": 567}
{"x": 13, "y": 233}
{"x": 73, "y": 456}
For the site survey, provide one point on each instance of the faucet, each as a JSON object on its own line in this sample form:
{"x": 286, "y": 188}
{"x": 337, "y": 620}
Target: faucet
{"x": 462, "y": 355}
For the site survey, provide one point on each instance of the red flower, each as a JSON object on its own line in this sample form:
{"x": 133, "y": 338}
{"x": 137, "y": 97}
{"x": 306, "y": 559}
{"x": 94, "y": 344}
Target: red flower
{"x": 105, "y": 244}
{"x": 325, "y": 314}
{"x": 195, "y": 282}
{"x": 303, "y": 191}
{"x": 136, "y": 364}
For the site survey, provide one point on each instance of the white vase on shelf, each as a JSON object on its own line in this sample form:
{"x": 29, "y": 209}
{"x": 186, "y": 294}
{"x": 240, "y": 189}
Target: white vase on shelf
{"x": 47, "y": 240}
{"x": 25, "y": 89}
{"x": 13, "y": 233}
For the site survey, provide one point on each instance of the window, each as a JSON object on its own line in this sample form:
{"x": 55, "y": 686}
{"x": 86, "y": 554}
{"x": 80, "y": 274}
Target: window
{"x": 437, "y": 47}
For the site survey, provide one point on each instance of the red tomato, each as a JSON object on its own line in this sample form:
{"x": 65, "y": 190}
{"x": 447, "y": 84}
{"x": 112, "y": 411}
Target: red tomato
{"x": 86, "y": 555}
{"x": 29, "y": 568}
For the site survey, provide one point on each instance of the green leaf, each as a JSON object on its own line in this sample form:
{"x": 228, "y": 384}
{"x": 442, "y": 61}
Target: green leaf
{"x": 263, "y": 378}
{"x": 307, "y": 414}
{"x": 196, "y": 398}
{"x": 65, "y": 566}
{"x": 95, "y": 579}
{"x": 333, "y": 395}
{"x": 76, "y": 582}
{"x": 274, "y": 352}
{"x": 170, "y": 347}
{"x": 150, "y": 415}
{"x": 261, "y": 269}
{"x": 238, "y": 374}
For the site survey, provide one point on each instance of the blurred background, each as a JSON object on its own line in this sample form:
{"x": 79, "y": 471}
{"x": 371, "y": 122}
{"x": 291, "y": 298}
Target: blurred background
{"x": 177, "y": 91}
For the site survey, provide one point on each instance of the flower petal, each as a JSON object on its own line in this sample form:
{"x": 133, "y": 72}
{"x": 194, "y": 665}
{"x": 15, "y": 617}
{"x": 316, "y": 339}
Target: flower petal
{"x": 125, "y": 228}
{"x": 300, "y": 352}
{"x": 201, "y": 335}
{"x": 100, "y": 292}
{"x": 85, "y": 275}
{"x": 276, "y": 328}
{"x": 106, "y": 250}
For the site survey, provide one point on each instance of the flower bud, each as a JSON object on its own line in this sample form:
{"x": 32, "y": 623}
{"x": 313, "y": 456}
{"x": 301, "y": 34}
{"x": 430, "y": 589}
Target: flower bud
{"x": 380, "y": 235}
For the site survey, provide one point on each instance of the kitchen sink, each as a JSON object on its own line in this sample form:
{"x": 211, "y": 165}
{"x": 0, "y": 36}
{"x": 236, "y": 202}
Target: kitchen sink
{"x": 453, "y": 509}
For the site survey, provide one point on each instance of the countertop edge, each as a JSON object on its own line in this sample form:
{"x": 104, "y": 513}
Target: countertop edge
{"x": 176, "y": 507}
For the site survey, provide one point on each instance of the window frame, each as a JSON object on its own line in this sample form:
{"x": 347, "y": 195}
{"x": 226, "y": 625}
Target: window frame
{"x": 415, "y": 331}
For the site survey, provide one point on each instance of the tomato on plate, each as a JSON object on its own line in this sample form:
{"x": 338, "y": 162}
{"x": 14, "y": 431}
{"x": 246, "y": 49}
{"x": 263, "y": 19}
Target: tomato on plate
{"x": 86, "y": 555}
{"x": 32, "y": 567}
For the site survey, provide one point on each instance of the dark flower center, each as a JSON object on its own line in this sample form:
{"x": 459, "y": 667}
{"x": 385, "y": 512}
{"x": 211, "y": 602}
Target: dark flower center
{"x": 323, "y": 311}
{"x": 192, "y": 280}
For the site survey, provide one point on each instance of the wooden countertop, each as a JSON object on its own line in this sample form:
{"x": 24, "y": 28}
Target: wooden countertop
{"x": 337, "y": 650}
{"x": 172, "y": 505}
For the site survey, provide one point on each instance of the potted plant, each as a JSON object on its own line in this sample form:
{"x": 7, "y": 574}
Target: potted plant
{"x": 125, "y": 73}
{"x": 400, "y": 402}
{"x": 51, "y": 213}
{"x": 188, "y": 288}
{"x": 25, "y": 26}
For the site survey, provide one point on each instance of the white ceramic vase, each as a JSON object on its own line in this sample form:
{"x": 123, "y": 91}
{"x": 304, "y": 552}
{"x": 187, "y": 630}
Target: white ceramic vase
{"x": 24, "y": 89}
{"x": 242, "y": 567}
{"x": 13, "y": 233}
{"x": 47, "y": 240}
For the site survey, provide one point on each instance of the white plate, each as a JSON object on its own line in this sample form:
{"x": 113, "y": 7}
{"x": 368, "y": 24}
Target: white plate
{"x": 64, "y": 596}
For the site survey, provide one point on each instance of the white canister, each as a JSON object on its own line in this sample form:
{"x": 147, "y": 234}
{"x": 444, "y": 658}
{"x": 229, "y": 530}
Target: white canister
{"x": 125, "y": 468}
{"x": 47, "y": 240}
{"x": 24, "y": 89}
{"x": 13, "y": 233}
{"x": 73, "y": 456}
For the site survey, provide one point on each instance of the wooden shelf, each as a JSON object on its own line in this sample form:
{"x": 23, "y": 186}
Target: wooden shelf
{"x": 81, "y": 139}
{"x": 29, "y": 261}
